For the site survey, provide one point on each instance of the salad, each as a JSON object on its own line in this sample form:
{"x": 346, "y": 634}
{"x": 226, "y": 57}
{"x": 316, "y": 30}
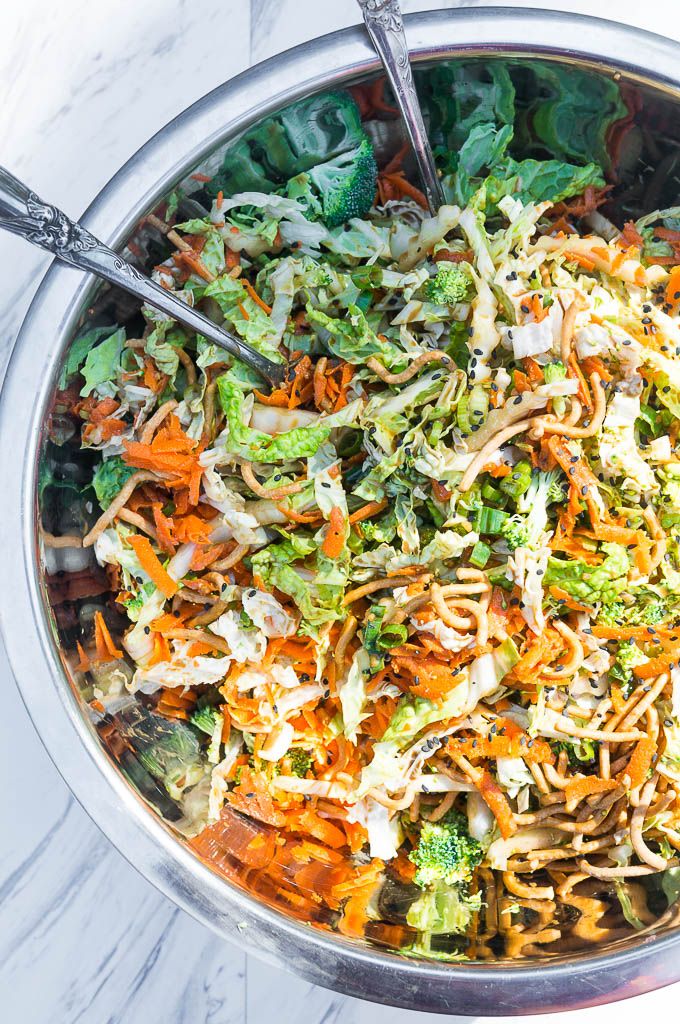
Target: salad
{"x": 414, "y": 617}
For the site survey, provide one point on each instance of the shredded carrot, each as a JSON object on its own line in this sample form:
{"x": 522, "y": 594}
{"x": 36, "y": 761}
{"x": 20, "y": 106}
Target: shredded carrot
{"x": 533, "y": 370}
{"x": 587, "y": 786}
{"x": 161, "y": 651}
{"x": 151, "y": 565}
{"x": 299, "y": 517}
{"x": 580, "y": 475}
{"x": 395, "y": 185}
{"x": 497, "y": 471}
{"x": 630, "y": 236}
{"x": 541, "y": 652}
{"x": 164, "y": 527}
{"x": 334, "y": 541}
{"x": 627, "y": 632}
{"x": 538, "y": 309}
{"x": 317, "y": 827}
{"x": 198, "y": 649}
{"x": 618, "y": 700}
{"x": 495, "y": 800}
{"x": 368, "y": 511}
{"x": 593, "y": 364}
{"x": 278, "y": 398}
{"x": 255, "y": 297}
{"x": 106, "y": 649}
{"x": 430, "y": 678}
{"x": 641, "y": 761}
{"x": 232, "y": 259}
{"x": 581, "y": 260}
{"x": 532, "y": 751}
{"x": 243, "y": 311}
{"x": 655, "y": 666}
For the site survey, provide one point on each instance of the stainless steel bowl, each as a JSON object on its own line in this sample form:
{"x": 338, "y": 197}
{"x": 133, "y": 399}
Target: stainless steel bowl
{"x": 647, "y": 67}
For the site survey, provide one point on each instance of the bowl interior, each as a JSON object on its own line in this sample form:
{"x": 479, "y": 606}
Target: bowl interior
{"x": 571, "y": 111}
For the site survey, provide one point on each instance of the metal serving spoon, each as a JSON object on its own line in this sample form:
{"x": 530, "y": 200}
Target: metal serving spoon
{"x": 386, "y": 28}
{"x": 23, "y": 213}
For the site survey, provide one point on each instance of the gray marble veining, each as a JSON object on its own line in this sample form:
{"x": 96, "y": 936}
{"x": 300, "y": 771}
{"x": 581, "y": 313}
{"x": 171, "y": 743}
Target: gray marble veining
{"x": 83, "y": 938}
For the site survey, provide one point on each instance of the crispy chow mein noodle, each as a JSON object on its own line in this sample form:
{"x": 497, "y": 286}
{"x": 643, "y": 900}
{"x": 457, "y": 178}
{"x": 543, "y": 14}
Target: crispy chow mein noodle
{"x": 410, "y": 623}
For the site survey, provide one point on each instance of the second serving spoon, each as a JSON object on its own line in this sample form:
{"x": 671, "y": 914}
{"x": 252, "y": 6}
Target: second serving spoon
{"x": 23, "y": 213}
{"x": 385, "y": 26}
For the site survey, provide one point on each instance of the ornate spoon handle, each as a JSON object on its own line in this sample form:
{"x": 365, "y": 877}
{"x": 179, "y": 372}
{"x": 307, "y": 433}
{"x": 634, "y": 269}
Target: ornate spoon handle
{"x": 23, "y": 213}
{"x": 386, "y": 28}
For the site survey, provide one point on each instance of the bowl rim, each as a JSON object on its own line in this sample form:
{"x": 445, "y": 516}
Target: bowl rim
{"x": 331, "y": 61}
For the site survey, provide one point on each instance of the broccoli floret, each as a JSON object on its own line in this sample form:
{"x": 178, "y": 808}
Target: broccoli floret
{"x": 545, "y": 489}
{"x": 514, "y": 531}
{"x": 445, "y": 852}
{"x": 300, "y": 761}
{"x": 556, "y": 486}
{"x": 346, "y": 184}
{"x": 205, "y": 719}
{"x": 451, "y": 284}
{"x": 526, "y": 529}
{"x": 627, "y": 657}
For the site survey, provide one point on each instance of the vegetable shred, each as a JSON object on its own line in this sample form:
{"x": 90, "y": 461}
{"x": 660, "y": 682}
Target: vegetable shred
{"x": 413, "y": 619}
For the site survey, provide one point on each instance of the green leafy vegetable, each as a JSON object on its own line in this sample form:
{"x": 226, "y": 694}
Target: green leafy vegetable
{"x": 79, "y": 350}
{"x": 301, "y": 442}
{"x": 627, "y": 657}
{"x": 109, "y": 478}
{"x": 102, "y": 362}
{"x": 353, "y": 339}
{"x": 591, "y": 583}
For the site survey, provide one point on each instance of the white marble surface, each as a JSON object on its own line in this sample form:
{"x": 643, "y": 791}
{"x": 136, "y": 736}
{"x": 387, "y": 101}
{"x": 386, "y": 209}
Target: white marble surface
{"x": 83, "y": 938}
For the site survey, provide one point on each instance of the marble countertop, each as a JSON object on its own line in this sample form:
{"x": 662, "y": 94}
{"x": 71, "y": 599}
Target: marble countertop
{"x": 83, "y": 937}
